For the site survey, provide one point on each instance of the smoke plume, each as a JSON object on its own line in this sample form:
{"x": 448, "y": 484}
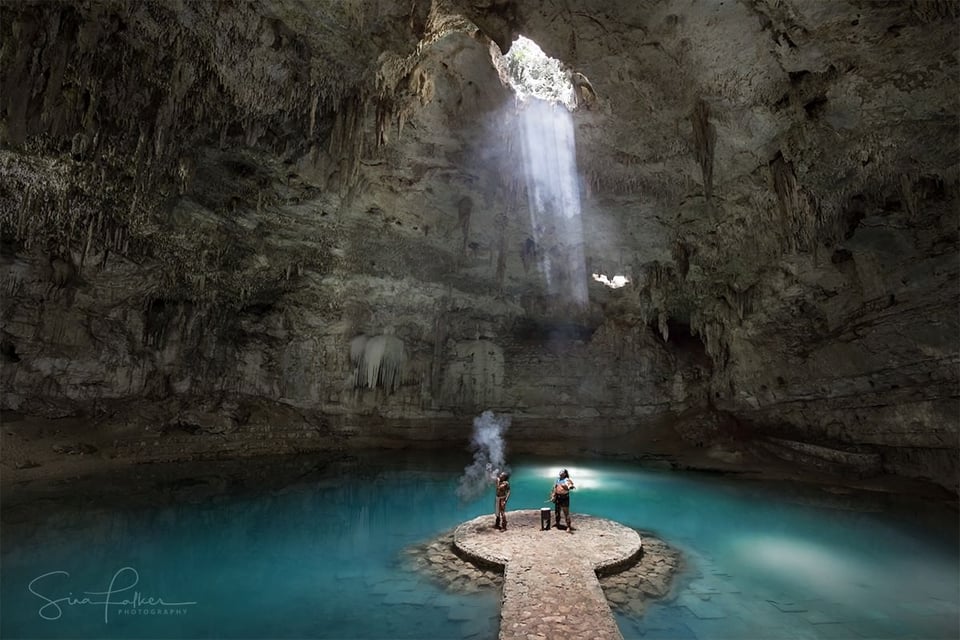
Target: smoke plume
{"x": 488, "y": 455}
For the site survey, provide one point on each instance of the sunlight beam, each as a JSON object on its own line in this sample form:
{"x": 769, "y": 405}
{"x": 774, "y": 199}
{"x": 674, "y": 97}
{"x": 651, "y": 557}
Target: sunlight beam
{"x": 553, "y": 192}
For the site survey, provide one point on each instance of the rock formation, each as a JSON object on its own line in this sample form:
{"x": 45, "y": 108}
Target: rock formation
{"x": 202, "y": 205}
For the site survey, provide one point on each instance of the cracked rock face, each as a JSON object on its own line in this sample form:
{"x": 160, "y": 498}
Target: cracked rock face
{"x": 202, "y": 205}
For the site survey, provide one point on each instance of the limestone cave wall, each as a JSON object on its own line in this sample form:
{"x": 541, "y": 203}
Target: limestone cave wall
{"x": 203, "y": 204}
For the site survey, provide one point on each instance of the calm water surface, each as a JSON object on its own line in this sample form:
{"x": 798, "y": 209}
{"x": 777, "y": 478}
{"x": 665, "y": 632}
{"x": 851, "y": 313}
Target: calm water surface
{"x": 324, "y": 559}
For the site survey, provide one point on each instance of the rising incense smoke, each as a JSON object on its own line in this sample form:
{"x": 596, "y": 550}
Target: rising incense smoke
{"x": 488, "y": 455}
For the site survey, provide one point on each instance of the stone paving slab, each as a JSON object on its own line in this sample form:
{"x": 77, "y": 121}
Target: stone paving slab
{"x": 702, "y": 609}
{"x": 550, "y": 577}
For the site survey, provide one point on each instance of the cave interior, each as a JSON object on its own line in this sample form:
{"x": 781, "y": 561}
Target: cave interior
{"x": 711, "y": 235}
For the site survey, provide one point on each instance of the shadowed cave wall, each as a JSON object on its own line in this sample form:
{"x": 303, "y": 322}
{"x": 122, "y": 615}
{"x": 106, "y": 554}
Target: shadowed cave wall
{"x": 203, "y": 204}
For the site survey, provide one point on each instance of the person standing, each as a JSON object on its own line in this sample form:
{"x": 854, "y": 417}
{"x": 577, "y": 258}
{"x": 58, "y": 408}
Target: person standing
{"x": 503, "y": 494}
{"x": 561, "y": 497}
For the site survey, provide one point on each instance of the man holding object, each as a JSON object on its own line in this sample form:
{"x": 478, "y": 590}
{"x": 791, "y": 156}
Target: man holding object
{"x": 561, "y": 497}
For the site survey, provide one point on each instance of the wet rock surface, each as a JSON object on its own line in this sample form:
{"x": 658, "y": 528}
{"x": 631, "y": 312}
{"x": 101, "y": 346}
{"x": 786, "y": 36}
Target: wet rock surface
{"x": 437, "y": 560}
{"x": 653, "y": 577}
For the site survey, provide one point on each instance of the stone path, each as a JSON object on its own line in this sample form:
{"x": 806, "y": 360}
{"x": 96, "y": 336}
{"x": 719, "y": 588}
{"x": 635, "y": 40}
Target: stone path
{"x": 550, "y": 577}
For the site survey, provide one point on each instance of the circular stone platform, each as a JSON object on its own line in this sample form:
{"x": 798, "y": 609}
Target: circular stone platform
{"x": 550, "y": 577}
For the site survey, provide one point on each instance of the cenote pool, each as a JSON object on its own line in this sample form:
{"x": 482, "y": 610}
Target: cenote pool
{"x": 323, "y": 558}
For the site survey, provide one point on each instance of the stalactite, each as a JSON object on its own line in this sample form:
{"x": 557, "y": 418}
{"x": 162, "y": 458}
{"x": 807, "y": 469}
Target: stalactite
{"x": 386, "y": 359}
{"x": 70, "y": 229}
{"x": 712, "y": 334}
{"x": 346, "y": 140}
{"x": 439, "y": 340}
{"x": 401, "y": 120}
{"x": 660, "y": 275}
{"x": 313, "y": 116}
{"x": 741, "y": 302}
{"x": 908, "y": 196}
{"x": 681, "y": 255}
{"x": 357, "y": 346}
{"x": 384, "y": 117}
{"x": 464, "y": 208}
{"x": 86, "y": 247}
{"x": 796, "y": 208}
{"x": 584, "y": 94}
{"x": 933, "y": 10}
{"x": 378, "y": 361}
{"x": 704, "y": 142}
{"x": 502, "y": 252}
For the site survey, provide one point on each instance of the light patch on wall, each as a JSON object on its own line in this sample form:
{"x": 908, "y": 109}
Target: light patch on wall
{"x": 614, "y": 283}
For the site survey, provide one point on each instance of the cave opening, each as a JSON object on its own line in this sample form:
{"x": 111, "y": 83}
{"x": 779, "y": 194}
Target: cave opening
{"x": 531, "y": 72}
{"x": 548, "y": 157}
{"x": 682, "y": 337}
{"x": 615, "y": 282}
{"x": 683, "y": 341}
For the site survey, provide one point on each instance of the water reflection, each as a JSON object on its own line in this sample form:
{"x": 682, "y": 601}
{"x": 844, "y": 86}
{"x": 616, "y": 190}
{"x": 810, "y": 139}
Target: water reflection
{"x": 322, "y": 559}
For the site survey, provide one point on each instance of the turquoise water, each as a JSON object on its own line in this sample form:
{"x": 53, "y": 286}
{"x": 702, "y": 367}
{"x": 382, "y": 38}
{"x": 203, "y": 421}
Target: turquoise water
{"x": 324, "y": 559}
{"x": 774, "y": 562}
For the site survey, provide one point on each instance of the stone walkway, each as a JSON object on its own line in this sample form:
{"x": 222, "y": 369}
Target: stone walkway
{"x": 550, "y": 577}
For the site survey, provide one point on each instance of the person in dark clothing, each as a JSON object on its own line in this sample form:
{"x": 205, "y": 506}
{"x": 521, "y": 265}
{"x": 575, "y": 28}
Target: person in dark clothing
{"x": 503, "y": 494}
{"x": 561, "y": 497}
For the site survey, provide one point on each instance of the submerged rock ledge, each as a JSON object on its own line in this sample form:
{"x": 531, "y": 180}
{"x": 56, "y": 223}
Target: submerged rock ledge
{"x": 629, "y": 579}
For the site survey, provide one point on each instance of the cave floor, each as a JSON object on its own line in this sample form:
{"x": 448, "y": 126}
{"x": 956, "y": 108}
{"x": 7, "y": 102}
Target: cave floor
{"x": 550, "y": 578}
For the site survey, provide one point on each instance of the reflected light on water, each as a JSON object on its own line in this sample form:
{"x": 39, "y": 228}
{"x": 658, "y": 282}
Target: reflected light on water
{"x": 325, "y": 559}
{"x": 801, "y": 561}
{"x": 583, "y": 477}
